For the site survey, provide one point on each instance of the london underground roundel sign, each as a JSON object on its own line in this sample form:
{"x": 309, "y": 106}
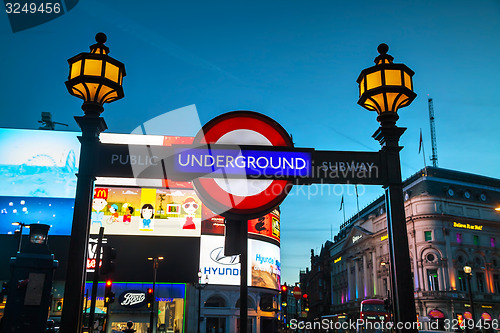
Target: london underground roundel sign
{"x": 242, "y": 198}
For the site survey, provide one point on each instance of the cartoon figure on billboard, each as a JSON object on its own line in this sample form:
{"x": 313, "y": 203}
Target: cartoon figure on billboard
{"x": 127, "y": 218}
{"x": 260, "y": 225}
{"x": 114, "y": 213}
{"x": 147, "y": 212}
{"x": 98, "y": 204}
{"x": 190, "y": 206}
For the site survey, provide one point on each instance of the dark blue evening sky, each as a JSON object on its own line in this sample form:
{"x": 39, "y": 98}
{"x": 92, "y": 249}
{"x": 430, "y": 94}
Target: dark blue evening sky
{"x": 295, "y": 61}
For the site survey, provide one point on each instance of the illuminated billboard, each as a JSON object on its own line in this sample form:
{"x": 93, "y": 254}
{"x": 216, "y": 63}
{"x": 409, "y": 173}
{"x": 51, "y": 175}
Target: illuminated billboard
{"x": 146, "y": 212}
{"x": 264, "y": 267}
{"x": 267, "y": 226}
{"x": 38, "y": 185}
{"x": 38, "y": 163}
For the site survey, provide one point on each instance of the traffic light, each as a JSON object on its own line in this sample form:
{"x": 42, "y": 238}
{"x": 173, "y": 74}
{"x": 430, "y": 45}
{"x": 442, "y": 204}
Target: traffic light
{"x": 4, "y": 291}
{"x": 109, "y": 296}
{"x": 150, "y": 297}
{"x": 284, "y": 295}
{"x": 108, "y": 255}
{"x": 59, "y": 307}
{"x": 305, "y": 299}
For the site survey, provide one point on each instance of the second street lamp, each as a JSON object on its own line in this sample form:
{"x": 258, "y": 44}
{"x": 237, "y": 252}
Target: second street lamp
{"x": 468, "y": 273}
{"x": 96, "y": 78}
{"x": 21, "y": 226}
{"x": 152, "y": 316}
{"x": 200, "y": 286}
{"x": 385, "y": 88}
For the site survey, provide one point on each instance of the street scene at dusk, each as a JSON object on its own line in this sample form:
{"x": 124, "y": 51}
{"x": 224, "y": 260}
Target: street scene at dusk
{"x": 297, "y": 166}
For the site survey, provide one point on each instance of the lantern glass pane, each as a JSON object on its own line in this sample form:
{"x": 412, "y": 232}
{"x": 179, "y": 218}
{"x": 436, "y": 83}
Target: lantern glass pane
{"x": 111, "y": 97}
{"x": 92, "y": 91}
{"x": 404, "y": 101}
{"x": 76, "y": 68}
{"x": 408, "y": 81}
{"x": 391, "y": 98}
{"x": 393, "y": 77}
{"x": 104, "y": 90}
{"x": 370, "y": 105}
{"x": 373, "y": 80}
{"x": 112, "y": 72}
{"x": 79, "y": 90}
{"x": 92, "y": 67}
{"x": 379, "y": 99}
{"x": 362, "y": 87}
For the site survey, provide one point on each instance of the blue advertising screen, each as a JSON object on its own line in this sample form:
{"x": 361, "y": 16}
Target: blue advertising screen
{"x": 37, "y": 163}
{"x": 38, "y": 178}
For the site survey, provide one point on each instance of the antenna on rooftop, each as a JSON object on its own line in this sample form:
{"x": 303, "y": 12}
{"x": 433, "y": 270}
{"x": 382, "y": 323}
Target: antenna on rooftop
{"x": 434, "y": 156}
{"x": 47, "y": 123}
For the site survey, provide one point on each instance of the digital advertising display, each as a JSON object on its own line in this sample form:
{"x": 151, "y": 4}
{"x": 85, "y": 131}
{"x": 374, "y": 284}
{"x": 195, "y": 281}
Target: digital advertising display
{"x": 146, "y": 212}
{"x": 264, "y": 267}
{"x": 38, "y": 163}
{"x": 265, "y": 227}
{"x": 38, "y": 185}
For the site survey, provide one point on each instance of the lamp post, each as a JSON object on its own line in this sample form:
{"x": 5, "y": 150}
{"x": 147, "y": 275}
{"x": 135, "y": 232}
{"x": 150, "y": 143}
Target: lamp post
{"x": 152, "y": 313}
{"x": 468, "y": 272}
{"x": 200, "y": 286}
{"x": 385, "y": 88}
{"x": 96, "y": 78}
{"x": 21, "y": 226}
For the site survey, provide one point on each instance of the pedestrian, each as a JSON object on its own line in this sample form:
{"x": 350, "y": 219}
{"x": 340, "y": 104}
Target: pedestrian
{"x": 129, "y": 328}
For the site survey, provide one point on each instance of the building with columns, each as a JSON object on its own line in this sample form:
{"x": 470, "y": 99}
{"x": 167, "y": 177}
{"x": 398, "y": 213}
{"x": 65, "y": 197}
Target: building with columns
{"x": 451, "y": 222}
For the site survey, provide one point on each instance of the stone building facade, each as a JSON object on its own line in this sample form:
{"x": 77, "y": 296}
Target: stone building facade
{"x": 451, "y": 222}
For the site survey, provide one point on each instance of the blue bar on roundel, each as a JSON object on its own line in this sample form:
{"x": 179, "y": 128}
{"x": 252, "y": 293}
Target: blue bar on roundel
{"x": 268, "y": 163}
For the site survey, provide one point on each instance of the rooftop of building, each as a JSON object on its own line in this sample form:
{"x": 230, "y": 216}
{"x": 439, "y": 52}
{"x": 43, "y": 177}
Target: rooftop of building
{"x": 438, "y": 182}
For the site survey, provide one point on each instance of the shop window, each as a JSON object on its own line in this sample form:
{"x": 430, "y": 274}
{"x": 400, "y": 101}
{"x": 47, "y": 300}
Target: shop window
{"x": 496, "y": 283}
{"x": 432, "y": 279}
{"x": 476, "y": 240}
{"x": 480, "y": 282}
{"x": 492, "y": 241}
{"x": 462, "y": 281}
{"x": 215, "y": 302}
{"x": 267, "y": 302}
{"x": 428, "y": 235}
{"x": 217, "y": 324}
{"x": 459, "y": 238}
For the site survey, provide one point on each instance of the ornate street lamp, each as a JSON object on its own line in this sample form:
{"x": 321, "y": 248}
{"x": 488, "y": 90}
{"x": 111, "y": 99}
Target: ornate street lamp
{"x": 385, "y": 88}
{"x": 96, "y": 78}
{"x": 468, "y": 273}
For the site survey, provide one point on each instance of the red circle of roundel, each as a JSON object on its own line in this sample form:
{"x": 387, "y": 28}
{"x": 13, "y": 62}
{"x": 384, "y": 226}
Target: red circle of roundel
{"x": 232, "y": 205}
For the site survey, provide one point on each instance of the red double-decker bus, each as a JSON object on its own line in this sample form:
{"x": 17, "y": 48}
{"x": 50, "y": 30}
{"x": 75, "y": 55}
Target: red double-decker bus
{"x": 372, "y": 311}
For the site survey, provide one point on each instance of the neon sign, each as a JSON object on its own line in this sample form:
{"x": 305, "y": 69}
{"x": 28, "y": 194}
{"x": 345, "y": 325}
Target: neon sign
{"x": 228, "y": 162}
{"x": 337, "y": 260}
{"x": 467, "y": 226}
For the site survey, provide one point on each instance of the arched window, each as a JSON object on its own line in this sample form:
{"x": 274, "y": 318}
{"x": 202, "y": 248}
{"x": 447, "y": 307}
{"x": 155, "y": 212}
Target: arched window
{"x": 215, "y": 302}
{"x": 251, "y": 304}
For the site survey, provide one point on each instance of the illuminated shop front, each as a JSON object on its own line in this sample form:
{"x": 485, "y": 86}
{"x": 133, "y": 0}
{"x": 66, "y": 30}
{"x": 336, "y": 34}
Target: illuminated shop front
{"x": 130, "y": 304}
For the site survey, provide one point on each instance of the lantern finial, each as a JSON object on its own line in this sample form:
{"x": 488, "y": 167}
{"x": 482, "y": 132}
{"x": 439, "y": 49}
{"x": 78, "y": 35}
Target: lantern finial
{"x": 383, "y": 48}
{"x": 101, "y": 38}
